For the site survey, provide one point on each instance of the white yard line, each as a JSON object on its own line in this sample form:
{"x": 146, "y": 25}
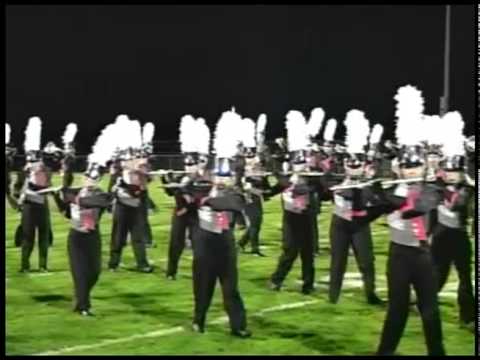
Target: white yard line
{"x": 164, "y": 332}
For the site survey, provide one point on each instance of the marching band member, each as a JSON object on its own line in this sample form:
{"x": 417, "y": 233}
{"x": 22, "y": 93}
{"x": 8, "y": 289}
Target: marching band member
{"x": 34, "y": 205}
{"x": 254, "y": 184}
{"x": 68, "y": 154}
{"x": 214, "y": 251}
{"x": 350, "y": 224}
{"x": 10, "y": 153}
{"x": 129, "y": 190}
{"x": 148, "y": 131}
{"x": 450, "y": 240}
{"x": 194, "y": 142}
{"x": 298, "y": 210}
{"x": 410, "y": 207}
{"x": 84, "y": 208}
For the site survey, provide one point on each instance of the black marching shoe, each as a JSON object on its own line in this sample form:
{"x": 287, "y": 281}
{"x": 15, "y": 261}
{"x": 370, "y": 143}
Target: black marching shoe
{"x": 24, "y": 270}
{"x": 86, "y": 313}
{"x": 373, "y": 299}
{"x": 146, "y": 269}
{"x": 197, "y": 328}
{"x": 470, "y": 326}
{"x": 258, "y": 253}
{"x": 307, "y": 291}
{"x": 43, "y": 270}
{"x": 171, "y": 277}
{"x": 275, "y": 287}
{"x": 241, "y": 333}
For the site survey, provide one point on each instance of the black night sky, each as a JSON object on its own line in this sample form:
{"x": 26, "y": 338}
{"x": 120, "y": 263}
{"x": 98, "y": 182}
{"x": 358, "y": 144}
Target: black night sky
{"x": 87, "y": 64}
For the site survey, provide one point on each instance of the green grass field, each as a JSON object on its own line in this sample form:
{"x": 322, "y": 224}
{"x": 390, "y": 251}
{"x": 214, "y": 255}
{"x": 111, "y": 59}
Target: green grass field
{"x": 147, "y": 314}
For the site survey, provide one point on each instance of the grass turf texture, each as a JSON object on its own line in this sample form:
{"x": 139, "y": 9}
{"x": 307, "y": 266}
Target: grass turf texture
{"x": 39, "y": 315}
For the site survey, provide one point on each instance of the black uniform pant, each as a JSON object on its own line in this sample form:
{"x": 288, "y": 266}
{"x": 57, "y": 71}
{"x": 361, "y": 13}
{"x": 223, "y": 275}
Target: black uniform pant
{"x": 35, "y": 216}
{"x": 148, "y": 237}
{"x": 297, "y": 238}
{"x": 449, "y": 246}
{"x": 254, "y": 212}
{"x": 344, "y": 234}
{"x": 214, "y": 257}
{"x": 408, "y": 265}
{"x": 316, "y": 237}
{"x": 84, "y": 254}
{"x": 179, "y": 225}
{"x": 128, "y": 219}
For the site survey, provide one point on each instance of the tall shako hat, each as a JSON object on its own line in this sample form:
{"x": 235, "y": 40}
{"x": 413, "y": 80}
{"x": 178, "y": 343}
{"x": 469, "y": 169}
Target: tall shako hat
{"x": 329, "y": 135}
{"x": 102, "y": 152}
{"x": 32, "y": 140}
{"x": 10, "y": 151}
{"x": 356, "y": 141}
{"x": 409, "y": 115}
{"x": 226, "y": 141}
{"x": 128, "y": 134}
{"x": 431, "y": 134}
{"x": 247, "y": 139}
{"x": 148, "y": 131}
{"x": 297, "y": 136}
{"x": 69, "y": 137}
{"x": 374, "y": 141}
{"x": 453, "y": 142}
{"x": 188, "y": 137}
{"x": 314, "y": 125}
{"x": 203, "y": 140}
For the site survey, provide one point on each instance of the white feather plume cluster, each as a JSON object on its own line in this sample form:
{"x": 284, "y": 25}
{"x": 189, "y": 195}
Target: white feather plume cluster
{"x": 315, "y": 122}
{"x": 376, "y": 134}
{"x": 121, "y": 128}
{"x": 203, "y": 137}
{"x": 7, "y": 133}
{"x": 227, "y": 135}
{"x": 248, "y": 133}
{"x": 260, "y": 129}
{"x": 297, "y": 131}
{"x": 358, "y": 129}
{"x": 409, "y": 115}
{"x": 33, "y": 134}
{"x": 432, "y": 129}
{"x": 69, "y": 134}
{"x": 148, "y": 131}
{"x": 188, "y": 134}
{"x": 330, "y": 128}
{"x": 453, "y": 142}
{"x": 135, "y": 135}
{"x": 105, "y": 145}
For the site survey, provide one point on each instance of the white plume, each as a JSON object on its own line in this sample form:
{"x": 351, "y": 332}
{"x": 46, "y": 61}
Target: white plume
{"x": 330, "y": 128}
{"x": 248, "y": 133}
{"x": 147, "y": 133}
{"x": 7, "y": 133}
{"x": 203, "y": 137}
{"x": 33, "y": 134}
{"x": 297, "y": 131}
{"x": 315, "y": 122}
{"x": 135, "y": 134}
{"x": 104, "y": 146}
{"x": 358, "y": 130}
{"x": 260, "y": 130}
{"x": 376, "y": 134}
{"x": 69, "y": 134}
{"x": 432, "y": 128}
{"x": 453, "y": 142}
{"x": 188, "y": 134}
{"x": 409, "y": 115}
{"x": 120, "y": 131}
{"x": 227, "y": 134}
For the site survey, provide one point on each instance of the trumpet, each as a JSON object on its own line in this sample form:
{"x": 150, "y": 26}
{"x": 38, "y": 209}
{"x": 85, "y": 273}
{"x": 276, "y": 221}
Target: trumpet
{"x": 384, "y": 183}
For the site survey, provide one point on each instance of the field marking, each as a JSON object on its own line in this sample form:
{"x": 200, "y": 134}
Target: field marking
{"x": 163, "y": 332}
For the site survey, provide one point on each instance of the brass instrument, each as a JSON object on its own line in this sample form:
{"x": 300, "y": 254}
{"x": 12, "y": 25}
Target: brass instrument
{"x": 384, "y": 183}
